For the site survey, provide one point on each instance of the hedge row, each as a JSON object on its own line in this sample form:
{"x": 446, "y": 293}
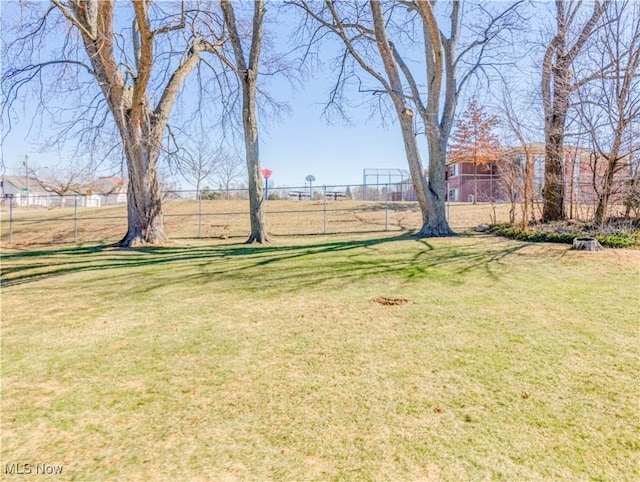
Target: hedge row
{"x": 618, "y": 240}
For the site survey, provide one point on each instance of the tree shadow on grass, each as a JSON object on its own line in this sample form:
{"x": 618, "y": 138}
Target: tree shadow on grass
{"x": 31, "y": 265}
{"x": 287, "y": 267}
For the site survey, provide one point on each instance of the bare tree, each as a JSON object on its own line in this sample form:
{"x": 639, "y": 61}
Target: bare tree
{"x": 559, "y": 82}
{"x": 196, "y": 162}
{"x": 229, "y": 170}
{"x": 246, "y": 68}
{"x": 381, "y": 38}
{"x": 512, "y": 181}
{"x": 610, "y": 105}
{"x": 132, "y": 77}
{"x": 64, "y": 178}
{"x": 519, "y": 172}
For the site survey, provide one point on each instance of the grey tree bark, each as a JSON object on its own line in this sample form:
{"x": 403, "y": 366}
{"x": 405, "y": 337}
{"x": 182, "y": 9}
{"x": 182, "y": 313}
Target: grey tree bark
{"x": 247, "y": 72}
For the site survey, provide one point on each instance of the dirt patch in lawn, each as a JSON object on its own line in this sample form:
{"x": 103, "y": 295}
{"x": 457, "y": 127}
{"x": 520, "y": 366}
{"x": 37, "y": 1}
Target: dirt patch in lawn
{"x": 391, "y": 301}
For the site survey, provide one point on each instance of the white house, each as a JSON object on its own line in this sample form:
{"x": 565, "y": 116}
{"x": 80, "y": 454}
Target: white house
{"x": 110, "y": 190}
{"x": 23, "y": 191}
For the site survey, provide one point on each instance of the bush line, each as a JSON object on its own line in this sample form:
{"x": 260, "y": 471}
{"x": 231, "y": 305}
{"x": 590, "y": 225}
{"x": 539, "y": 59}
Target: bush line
{"x": 618, "y": 240}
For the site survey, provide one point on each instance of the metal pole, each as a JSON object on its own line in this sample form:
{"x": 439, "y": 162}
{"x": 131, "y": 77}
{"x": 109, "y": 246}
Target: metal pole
{"x": 199, "y": 213}
{"x": 26, "y": 176}
{"x": 75, "y": 219}
{"x": 386, "y": 210}
{"x": 324, "y": 214}
{"x": 10, "y": 220}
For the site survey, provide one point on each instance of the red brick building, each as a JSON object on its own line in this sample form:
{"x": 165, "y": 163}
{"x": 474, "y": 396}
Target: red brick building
{"x": 498, "y": 182}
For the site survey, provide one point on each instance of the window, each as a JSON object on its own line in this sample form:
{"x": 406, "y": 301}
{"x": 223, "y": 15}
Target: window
{"x": 454, "y": 170}
{"x": 453, "y": 195}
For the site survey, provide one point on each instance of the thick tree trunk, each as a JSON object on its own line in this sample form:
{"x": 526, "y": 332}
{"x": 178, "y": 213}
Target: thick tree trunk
{"x": 558, "y": 83}
{"x": 431, "y": 195}
{"x": 556, "y": 107}
{"x": 144, "y": 220}
{"x": 435, "y": 224}
{"x": 144, "y": 204}
{"x": 553, "y": 191}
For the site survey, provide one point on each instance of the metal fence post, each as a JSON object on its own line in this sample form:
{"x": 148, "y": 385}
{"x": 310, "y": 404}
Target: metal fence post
{"x": 199, "y": 214}
{"x": 364, "y": 186}
{"x": 324, "y": 214}
{"x": 75, "y": 219}
{"x": 10, "y": 220}
{"x": 386, "y": 210}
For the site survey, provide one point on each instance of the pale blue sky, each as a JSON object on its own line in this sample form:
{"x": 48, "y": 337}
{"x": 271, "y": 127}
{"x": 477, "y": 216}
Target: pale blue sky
{"x": 298, "y": 144}
{"x": 301, "y": 143}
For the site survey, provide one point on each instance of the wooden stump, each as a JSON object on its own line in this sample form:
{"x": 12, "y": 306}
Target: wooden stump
{"x": 587, "y": 244}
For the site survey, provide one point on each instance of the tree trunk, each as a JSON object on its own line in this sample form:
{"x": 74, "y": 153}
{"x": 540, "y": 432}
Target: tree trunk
{"x": 247, "y": 71}
{"x": 556, "y": 107}
{"x": 603, "y": 198}
{"x": 558, "y": 83}
{"x": 431, "y": 196}
{"x": 414, "y": 161}
{"x": 553, "y": 191}
{"x": 435, "y": 224}
{"x": 256, "y": 190}
{"x": 144, "y": 205}
{"x": 141, "y": 126}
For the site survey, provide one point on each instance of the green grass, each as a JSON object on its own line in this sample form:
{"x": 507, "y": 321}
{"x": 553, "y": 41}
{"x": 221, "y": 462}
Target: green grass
{"x": 220, "y": 361}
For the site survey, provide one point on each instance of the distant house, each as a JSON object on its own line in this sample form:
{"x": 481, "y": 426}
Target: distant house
{"x": 104, "y": 191}
{"x": 110, "y": 190}
{"x": 24, "y": 191}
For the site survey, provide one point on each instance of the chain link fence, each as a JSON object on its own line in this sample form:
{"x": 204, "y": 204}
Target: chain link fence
{"x": 223, "y": 213}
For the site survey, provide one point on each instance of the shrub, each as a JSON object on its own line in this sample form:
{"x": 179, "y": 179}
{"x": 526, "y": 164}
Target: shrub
{"x": 623, "y": 239}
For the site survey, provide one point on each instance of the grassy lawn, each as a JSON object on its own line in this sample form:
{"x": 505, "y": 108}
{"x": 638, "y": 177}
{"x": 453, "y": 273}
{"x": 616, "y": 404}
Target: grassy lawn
{"x": 220, "y": 361}
{"x": 229, "y": 219}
